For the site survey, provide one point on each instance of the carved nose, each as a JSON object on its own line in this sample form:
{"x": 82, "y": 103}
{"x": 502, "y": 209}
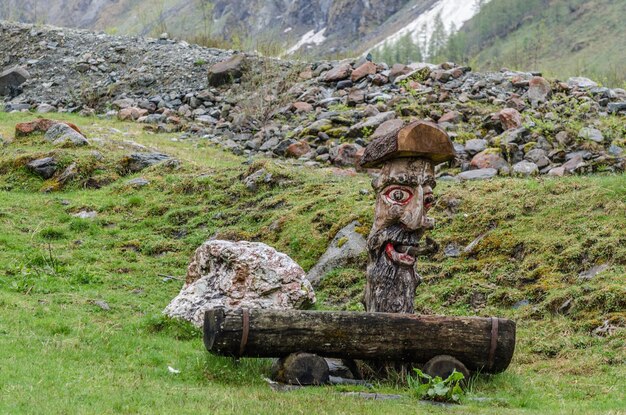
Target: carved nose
{"x": 412, "y": 216}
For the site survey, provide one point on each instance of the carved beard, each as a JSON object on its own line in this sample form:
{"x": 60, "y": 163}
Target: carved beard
{"x": 391, "y": 281}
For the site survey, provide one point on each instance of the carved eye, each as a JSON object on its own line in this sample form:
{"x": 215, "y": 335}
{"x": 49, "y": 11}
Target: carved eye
{"x": 398, "y": 195}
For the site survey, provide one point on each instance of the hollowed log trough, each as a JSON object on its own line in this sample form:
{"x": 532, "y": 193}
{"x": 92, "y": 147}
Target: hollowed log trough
{"x": 481, "y": 344}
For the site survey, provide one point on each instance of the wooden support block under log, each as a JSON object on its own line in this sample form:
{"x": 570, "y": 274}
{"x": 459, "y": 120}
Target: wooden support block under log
{"x": 484, "y": 344}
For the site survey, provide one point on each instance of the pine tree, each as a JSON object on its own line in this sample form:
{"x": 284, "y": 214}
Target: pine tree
{"x": 437, "y": 38}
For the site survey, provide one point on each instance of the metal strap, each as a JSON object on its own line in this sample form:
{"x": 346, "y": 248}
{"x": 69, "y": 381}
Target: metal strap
{"x": 245, "y": 330}
{"x": 494, "y": 342}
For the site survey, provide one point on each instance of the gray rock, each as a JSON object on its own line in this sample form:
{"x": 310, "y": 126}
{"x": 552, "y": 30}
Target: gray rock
{"x": 521, "y": 303}
{"x": 138, "y": 182}
{"x": 593, "y": 271}
{"x": 475, "y": 146}
{"x": 44, "y": 167}
{"x": 593, "y": 134}
{"x": 452, "y": 250}
{"x": 386, "y": 128}
{"x": 45, "y": 108}
{"x": 338, "y": 73}
{"x": 63, "y": 135}
{"x": 258, "y": 177}
{"x": 239, "y": 274}
{"x": 346, "y": 247}
{"x": 102, "y": 304}
{"x": 479, "y": 174}
{"x": 539, "y": 157}
{"x": 139, "y": 161}
{"x": 226, "y": 71}
{"x": 525, "y": 168}
{"x": 371, "y": 123}
{"x": 615, "y": 150}
{"x": 9, "y": 107}
{"x": 615, "y": 107}
{"x": 11, "y": 79}
{"x": 581, "y": 82}
{"x": 574, "y": 163}
{"x": 86, "y": 214}
{"x": 538, "y": 90}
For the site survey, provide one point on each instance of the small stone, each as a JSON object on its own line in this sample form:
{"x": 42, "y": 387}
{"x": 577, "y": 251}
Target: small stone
{"x": 593, "y": 134}
{"x": 593, "y": 271}
{"x": 355, "y": 97}
{"x": 450, "y": 116}
{"x": 86, "y": 214}
{"x": 525, "y": 168}
{"x": 475, "y": 146}
{"x": 131, "y": 113}
{"x": 615, "y": 107}
{"x": 563, "y": 138}
{"x": 298, "y": 149}
{"x": 452, "y": 250}
{"x": 615, "y": 150}
{"x": 346, "y": 83}
{"x": 489, "y": 159}
{"x": 370, "y": 123}
{"x": 557, "y": 172}
{"x": 11, "y": 79}
{"x": 480, "y": 174}
{"x": 581, "y": 82}
{"x": 338, "y": 73}
{"x": 510, "y": 118}
{"x": 387, "y": 127}
{"x": 139, "y": 161}
{"x": 63, "y": 135}
{"x": 368, "y": 68}
{"x": 520, "y": 304}
{"x": 44, "y": 167}
{"x": 40, "y": 125}
{"x": 302, "y": 107}
{"x": 346, "y": 154}
{"x": 539, "y": 157}
{"x": 227, "y": 71}
{"x": 346, "y": 247}
{"x": 45, "y": 108}
{"x": 538, "y": 90}
{"x": 138, "y": 182}
{"x": 102, "y": 304}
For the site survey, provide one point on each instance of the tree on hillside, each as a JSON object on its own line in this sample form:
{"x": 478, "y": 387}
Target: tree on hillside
{"x": 438, "y": 38}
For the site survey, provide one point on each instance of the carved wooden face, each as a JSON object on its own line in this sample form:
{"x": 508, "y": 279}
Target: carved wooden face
{"x": 404, "y": 194}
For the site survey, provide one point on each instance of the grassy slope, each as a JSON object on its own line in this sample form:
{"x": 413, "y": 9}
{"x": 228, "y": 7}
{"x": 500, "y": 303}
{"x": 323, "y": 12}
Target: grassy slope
{"x": 588, "y": 42}
{"x": 60, "y": 352}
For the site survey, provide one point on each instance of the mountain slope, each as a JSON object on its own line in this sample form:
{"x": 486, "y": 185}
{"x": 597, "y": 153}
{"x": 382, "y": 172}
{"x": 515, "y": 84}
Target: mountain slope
{"x": 559, "y": 37}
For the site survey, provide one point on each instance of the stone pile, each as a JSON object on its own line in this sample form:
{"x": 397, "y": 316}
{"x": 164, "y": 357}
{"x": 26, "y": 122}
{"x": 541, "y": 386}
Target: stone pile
{"x": 502, "y": 123}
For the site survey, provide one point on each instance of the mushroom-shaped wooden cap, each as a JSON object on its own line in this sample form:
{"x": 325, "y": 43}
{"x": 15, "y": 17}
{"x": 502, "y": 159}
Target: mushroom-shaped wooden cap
{"x": 418, "y": 139}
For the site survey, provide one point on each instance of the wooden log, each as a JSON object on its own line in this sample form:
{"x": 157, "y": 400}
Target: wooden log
{"x": 485, "y": 344}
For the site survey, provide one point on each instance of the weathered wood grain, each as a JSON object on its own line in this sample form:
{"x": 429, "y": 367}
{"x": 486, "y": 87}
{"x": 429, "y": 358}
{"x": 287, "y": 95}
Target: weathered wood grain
{"x": 358, "y": 335}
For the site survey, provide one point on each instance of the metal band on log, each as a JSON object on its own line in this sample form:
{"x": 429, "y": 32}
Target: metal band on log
{"x": 485, "y": 344}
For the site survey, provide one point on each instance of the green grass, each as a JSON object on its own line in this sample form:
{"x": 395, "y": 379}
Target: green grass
{"x": 60, "y": 352}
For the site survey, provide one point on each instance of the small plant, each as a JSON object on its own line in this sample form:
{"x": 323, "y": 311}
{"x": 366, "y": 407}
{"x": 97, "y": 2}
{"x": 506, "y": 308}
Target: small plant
{"x": 436, "y": 389}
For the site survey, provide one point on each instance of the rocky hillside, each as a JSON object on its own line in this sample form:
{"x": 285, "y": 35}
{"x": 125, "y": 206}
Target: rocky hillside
{"x": 322, "y": 113}
{"x": 318, "y": 27}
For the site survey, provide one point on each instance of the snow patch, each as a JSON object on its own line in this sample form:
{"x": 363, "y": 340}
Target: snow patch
{"x": 309, "y": 37}
{"x": 452, "y": 12}
{"x": 287, "y": 30}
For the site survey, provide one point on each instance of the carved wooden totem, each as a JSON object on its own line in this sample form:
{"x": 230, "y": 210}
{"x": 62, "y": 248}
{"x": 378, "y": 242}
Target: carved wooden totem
{"x": 404, "y": 194}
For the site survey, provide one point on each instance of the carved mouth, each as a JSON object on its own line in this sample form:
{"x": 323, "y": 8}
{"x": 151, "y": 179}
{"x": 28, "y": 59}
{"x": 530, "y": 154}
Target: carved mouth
{"x": 402, "y": 254}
